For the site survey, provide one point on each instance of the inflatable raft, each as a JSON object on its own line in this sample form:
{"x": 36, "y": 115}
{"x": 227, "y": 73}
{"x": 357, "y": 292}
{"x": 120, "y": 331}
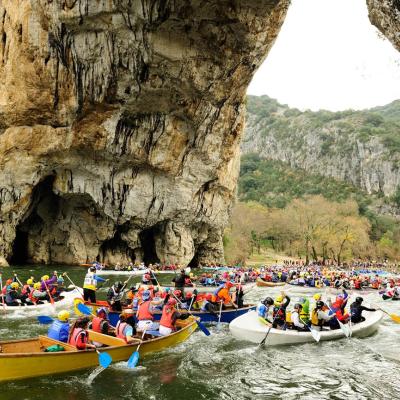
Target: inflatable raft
{"x": 261, "y": 282}
{"x": 248, "y": 327}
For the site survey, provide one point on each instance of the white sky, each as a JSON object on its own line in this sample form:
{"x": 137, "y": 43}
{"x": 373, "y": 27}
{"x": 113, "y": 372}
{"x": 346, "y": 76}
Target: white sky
{"x": 329, "y": 56}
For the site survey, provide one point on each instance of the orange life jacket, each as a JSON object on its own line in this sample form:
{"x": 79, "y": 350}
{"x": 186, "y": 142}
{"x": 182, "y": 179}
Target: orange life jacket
{"x": 144, "y": 313}
{"x": 96, "y": 324}
{"x": 166, "y": 317}
{"x": 74, "y": 336}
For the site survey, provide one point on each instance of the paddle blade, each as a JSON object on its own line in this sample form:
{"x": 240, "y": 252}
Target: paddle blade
{"x": 395, "y": 318}
{"x": 84, "y": 309}
{"x": 203, "y": 328}
{"x": 44, "y": 319}
{"x": 105, "y": 359}
{"x": 345, "y": 329}
{"x": 133, "y": 360}
{"x": 315, "y": 334}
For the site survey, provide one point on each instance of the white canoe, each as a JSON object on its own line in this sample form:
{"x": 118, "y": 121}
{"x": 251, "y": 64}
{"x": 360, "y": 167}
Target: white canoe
{"x": 67, "y": 300}
{"x": 131, "y": 273}
{"x": 248, "y": 327}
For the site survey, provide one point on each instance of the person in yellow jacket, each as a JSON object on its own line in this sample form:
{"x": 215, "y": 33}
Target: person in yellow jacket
{"x": 90, "y": 285}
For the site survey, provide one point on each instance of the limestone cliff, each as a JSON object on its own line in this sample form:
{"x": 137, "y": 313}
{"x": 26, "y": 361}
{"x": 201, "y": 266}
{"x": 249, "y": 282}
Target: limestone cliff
{"x": 360, "y": 147}
{"x": 120, "y": 124}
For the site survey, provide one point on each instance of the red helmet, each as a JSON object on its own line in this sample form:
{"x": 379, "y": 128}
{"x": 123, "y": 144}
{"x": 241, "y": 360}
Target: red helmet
{"x": 177, "y": 293}
{"x": 189, "y": 295}
{"x": 171, "y": 302}
{"x": 229, "y": 284}
{"x": 209, "y": 297}
{"x": 147, "y": 276}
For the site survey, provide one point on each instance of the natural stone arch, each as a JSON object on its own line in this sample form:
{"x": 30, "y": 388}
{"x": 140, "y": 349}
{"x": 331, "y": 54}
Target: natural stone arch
{"x": 135, "y": 108}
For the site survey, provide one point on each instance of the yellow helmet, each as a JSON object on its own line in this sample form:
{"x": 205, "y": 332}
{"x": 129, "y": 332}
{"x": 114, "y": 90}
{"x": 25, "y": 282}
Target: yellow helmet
{"x": 37, "y": 285}
{"x": 29, "y": 281}
{"x": 45, "y": 278}
{"x": 63, "y": 316}
{"x": 317, "y": 296}
{"x": 15, "y": 285}
{"x": 278, "y": 300}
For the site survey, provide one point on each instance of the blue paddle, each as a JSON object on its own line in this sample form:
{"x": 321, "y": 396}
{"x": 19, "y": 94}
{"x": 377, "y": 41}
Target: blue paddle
{"x": 104, "y": 359}
{"x": 198, "y": 322}
{"x": 84, "y": 309}
{"x": 134, "y": 358}
{"x": 45, "y": 320}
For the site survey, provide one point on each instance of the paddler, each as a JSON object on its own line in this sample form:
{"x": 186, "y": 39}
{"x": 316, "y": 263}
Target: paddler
{"x": 90, "y": 285}
{"x": 222, "y": 294}
{"x": 169, "y": 317}
{"x": 59, "y": 329}
{"x": 125, "y": 328}
{"x": 114, "y": 295}
{"x": 79, "y": 336}
{"x": 318, "y": 315}
{"x": 264, "y": 308}
{"x": 100, "y": 323}
{"x": 304, "y": 311}
{"x": 297, "y": 322}
{"x": 279, "y": 311}
{"x": 179, "y": 280}
{"x": 13, "y": 298}
{"x": 36, "y": 295}
{"x": 209, "y": 306}
{"x": 145, "y": 312}
{"x": 356, "y": 310}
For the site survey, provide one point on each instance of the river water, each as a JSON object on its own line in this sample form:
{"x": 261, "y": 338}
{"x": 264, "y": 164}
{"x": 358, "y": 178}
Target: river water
{"x": 220, "y": 367}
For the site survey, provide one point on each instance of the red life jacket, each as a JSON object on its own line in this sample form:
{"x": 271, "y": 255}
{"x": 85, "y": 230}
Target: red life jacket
{"x": 144, "y": 311}
{"x": 96, "y": 324}
{"x": 119, "y": 330}
{"x": 74, "y": 336}
{"x": 166, "y": 317}
{"x": 25, "y": 289}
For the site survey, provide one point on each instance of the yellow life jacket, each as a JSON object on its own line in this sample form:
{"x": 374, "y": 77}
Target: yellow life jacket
{"x": 314, "y": 317}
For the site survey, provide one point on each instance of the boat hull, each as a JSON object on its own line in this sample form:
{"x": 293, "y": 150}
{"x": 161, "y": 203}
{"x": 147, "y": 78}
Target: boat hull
{"x": 68, "y": 299}
{"x": 226, "y": 315}
{"x": 262, "y": 283}
{"x": 28, "y": 365}
{"x": 249, "y": 328}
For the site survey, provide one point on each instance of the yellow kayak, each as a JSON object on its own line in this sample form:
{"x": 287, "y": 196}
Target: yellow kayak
{"x": 20, "y": 359}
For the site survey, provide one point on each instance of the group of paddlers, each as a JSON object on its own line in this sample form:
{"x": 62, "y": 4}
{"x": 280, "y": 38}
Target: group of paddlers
{"x": 329, "y": 314}
{"x": 16, "y": 293}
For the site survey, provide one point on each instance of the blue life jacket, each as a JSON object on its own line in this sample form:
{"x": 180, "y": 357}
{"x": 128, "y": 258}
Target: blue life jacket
{"x": 59, "y": 331}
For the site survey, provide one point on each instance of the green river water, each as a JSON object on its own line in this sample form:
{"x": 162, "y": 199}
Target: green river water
{"x": 220, "y": 367}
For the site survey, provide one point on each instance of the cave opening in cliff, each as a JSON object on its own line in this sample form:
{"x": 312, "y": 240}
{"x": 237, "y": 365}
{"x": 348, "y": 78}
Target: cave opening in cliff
{"x": 115, "y": 250}
{"x": 147, "y": 239}
{"x": 44, "y": 204}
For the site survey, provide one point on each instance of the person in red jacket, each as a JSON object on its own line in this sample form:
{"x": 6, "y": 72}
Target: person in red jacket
{"x": 79, "y": 336}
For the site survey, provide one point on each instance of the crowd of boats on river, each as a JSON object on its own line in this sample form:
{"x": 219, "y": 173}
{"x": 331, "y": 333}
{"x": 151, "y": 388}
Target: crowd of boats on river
{"x": 139, "y": 318}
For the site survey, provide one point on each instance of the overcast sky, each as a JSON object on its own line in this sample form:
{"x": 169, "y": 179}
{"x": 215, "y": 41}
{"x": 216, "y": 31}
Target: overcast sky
{"x": 329, "y": 56}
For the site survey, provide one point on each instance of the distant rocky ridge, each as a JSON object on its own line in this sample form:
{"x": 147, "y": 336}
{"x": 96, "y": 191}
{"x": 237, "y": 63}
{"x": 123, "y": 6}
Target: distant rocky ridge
{"x": 360, "y": 147}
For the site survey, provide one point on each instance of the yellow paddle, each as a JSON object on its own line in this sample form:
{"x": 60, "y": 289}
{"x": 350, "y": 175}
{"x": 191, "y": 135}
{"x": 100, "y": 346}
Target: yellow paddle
{"x": 394, "y": 317}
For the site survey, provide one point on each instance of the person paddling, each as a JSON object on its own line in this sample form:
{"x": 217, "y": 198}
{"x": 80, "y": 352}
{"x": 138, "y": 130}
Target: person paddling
{"x": 279, "y": 311}
{"x": 125, "y": 328}
{"x": 59, "y": 329}
{"x": 356, "y": 310}
{"x": 264, "y": 309}
{"x": 296, "y": 320}
{"x": 90, "y": 285}
{"x": 79, "y": 336}
{"x": 169, "y": 317}
{"x": 145, "y": 312}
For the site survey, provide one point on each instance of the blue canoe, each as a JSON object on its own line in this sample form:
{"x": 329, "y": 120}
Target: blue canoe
{"x": 226, "y": 315}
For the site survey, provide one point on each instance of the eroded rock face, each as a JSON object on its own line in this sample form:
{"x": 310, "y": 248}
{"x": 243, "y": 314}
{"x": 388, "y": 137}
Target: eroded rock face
{"x": 385, "y": 15}
{"x": 120, "y": 124}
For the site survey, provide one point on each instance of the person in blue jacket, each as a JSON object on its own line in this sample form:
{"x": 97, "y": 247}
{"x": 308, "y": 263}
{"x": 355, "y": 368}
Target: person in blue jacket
{"x": 59, "y": 329}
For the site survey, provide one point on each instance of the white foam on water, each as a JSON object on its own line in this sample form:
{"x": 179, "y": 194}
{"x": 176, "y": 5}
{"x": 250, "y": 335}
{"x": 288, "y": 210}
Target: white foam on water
{"x": 93, "y": 375}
